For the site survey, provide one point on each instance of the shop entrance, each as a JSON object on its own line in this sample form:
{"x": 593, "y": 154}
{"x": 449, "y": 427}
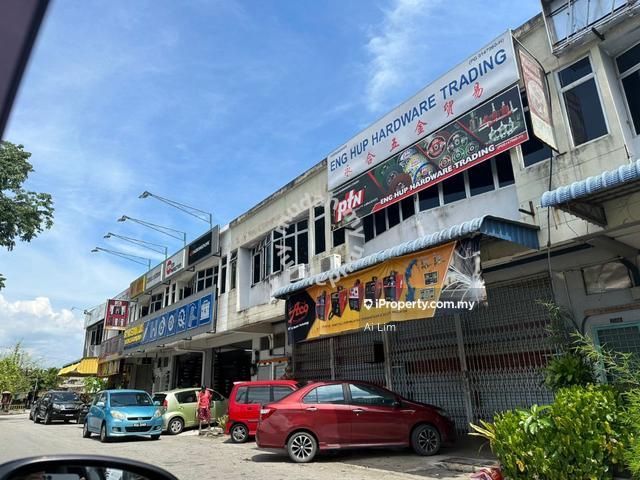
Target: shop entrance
{"x": 188, "y": 371}
{"x": 232, "y": 364}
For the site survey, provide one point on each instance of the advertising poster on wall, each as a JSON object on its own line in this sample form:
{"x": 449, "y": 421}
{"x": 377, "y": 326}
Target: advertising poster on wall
{"x": 117, "y": 314}
{"x": 153, "y": 276}
{"x": 492, "y": 128}
{"x": 416, "y": 286}
{"x": 137, "y": 287}
{"x": 174, "y": 264}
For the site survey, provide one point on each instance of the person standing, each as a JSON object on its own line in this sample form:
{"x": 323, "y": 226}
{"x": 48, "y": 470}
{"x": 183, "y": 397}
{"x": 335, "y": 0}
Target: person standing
{"x": 204, "y": 408}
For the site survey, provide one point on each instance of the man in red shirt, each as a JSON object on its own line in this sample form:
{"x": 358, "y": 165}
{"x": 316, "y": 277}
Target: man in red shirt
{"x": 204, "y": 407}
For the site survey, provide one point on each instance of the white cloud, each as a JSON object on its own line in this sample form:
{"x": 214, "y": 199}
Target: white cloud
{"x": 54, "y": 337}
{"x": 398, "y": 48}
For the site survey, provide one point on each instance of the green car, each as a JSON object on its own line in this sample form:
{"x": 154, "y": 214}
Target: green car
{"x": 180, "y": 408}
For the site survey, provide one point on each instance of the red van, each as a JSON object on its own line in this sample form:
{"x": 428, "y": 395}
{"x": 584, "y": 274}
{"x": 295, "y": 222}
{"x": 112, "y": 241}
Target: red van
{"x": 245, "y": 402}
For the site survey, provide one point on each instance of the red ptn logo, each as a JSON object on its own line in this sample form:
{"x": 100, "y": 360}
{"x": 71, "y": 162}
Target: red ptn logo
{"x": 298, "y": 312}
{"x": 352, "y": 200}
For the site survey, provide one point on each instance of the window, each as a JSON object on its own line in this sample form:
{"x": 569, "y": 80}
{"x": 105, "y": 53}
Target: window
{"x": 338, "y": 236}
{"x": 582, "y": 102}
{"x": 534, "y": 150}
{"x": 325, "y": 394}
{"x": 260, "y": 259}
{"x": 279, "y": 340}
{"x": 570, "y": 17}
{"x": 156, "y": 303}
{"x": 279, "y": 392}
{"x": 606, "y": 277}
{"x": 174, "y": 289}
{"x": 216, "y": 276}
{"x": 408, "y": 207}
{"x": 296, "y": 244}
{"x": 223, "y": 275}
{"x": 318, "y": 225}
{"x": 204, "y": 279}
{"x": 393, "y": 215}
{"x": 277, "y": 250}
{"x": 429, "y": 198}
{"x": 241, "y": 395}
{"x": 370, "y": 395}
{"x": 504, "y": 169}
{"x": 258, "y": 395}
{"x": 264, "y": 343}
{"x": 187, "y": 397}
{"x": 367, "y": 226}
{"x": 629, "y": 69}
{"x": 480, "y": 178}
{"x": 453, "y": 189}
{"x": 166, "y": 297}
{"x": 233, "y": 267}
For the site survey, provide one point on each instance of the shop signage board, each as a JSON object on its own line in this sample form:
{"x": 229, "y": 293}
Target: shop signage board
{"x": 411, "y": 287}
{"x": 174, "y": 264}
{"x": 481, "y": 76}
{"x": 137, "y": 287}
{"x": 535, "y": 84}
{"x": 205, "y": 246}
{"x": 117, "y": 314}
{"x": 490, "y": 129}
{"x": 172, "y": 323}
{"x": 153, "y": 277}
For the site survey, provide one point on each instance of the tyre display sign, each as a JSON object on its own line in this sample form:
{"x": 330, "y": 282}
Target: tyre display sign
{"x": 492, "y": 128}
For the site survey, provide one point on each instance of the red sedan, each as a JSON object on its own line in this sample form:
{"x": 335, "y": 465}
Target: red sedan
{"x": 343, "y": 414}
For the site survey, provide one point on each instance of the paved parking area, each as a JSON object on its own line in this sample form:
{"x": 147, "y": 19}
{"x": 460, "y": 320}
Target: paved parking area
{"x": 189, "y": 456}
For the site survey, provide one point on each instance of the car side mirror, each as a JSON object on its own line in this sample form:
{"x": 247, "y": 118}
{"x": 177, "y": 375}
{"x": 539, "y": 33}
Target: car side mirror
{"x": 396, "y": 404}
{"x": 100, "y": 404}
{"x": 81, "y": 466}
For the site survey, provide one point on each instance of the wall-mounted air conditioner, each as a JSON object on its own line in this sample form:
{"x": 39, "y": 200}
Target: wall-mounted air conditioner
{"x": 330, "y": 262}
{"x": 297, "y": 272}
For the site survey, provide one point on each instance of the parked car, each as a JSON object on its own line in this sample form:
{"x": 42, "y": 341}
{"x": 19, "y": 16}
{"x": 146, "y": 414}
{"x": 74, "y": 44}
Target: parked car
{"x": 180, "y": 408}
{"x": 332, "y": 415}
{"x": 32, "y": 411}
{"x": 57, "y": 405}
{"x": 245, "y": 401}
{"x": 123, "y": 413}
{"x": 84, "y": 410}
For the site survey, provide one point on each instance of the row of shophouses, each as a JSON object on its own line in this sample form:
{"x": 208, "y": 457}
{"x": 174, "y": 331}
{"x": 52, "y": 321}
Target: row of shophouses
{"x": 557, "y": 225}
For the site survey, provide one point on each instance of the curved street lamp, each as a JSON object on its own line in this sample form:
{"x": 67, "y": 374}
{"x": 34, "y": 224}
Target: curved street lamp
{"x": 170, "y": 232}
{"x": 127, "y": 256}
{"x": 194, "y": 212}
{"x": 140, "y": 243}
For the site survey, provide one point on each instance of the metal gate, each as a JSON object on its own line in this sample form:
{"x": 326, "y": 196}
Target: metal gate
{"x": 472, "y": 364}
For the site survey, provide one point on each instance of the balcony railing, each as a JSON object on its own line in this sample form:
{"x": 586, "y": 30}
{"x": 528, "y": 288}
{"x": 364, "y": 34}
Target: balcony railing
{"x": 92, "y": 351}
{"x": 112, "y": 347}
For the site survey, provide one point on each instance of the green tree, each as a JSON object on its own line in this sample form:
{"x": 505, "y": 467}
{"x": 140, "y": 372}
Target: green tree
{"x": 23, "y": 214}
{"x": 44, "y": 378}
{"x": 94, "y": 384}
{"x": 13, "y": 370}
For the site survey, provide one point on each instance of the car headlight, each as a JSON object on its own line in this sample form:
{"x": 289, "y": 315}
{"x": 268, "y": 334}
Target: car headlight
{"x": 158, "y": 413}
{"x": 57, "y": 406}
{"x": 118, "y": 415}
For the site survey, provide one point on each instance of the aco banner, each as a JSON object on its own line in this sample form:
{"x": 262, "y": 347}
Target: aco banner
{"x": 117, "y": 314}
{"x": 492, "y": 128}
{"x": 412, "y": 287}
{"x": 137, "y": 287}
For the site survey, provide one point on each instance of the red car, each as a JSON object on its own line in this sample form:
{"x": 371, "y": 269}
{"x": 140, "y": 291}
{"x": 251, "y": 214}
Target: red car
{"x": 344, "y": 414}
{"x": 245, "y": 402}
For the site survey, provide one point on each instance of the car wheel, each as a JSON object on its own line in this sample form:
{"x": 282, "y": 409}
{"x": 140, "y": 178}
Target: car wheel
{"x": 239, "y": 433}
{"x": 155, "y": 437}
{"x": 104, "y": 438}
{"x": 85, "y": 431}
{"x": 176, "y": 425}
{"x": 47, "y": 418}
{"x": 36, "y": 419}
{"x": 30, "y": 415}
{"x": 302, "y": 447}
{"x": 426, "y": 440}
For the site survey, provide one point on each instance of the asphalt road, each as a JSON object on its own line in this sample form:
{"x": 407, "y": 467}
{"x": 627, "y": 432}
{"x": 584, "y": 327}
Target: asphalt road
{"x": 189, "y": 456}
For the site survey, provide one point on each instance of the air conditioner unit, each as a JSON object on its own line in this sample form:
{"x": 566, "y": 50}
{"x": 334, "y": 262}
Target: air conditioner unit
{"x": 330, "y": 262}
{"x": 297, "y": 272}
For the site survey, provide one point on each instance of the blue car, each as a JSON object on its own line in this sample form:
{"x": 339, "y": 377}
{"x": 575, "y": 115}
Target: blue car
{"x": 123, "y": 413}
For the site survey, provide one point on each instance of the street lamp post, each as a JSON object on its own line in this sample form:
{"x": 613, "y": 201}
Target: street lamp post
{"x": 141, "y": 243}
{"x": 194, "y": 212}
{"x": 170, "y": 232}
{"x": 124, "y": 255}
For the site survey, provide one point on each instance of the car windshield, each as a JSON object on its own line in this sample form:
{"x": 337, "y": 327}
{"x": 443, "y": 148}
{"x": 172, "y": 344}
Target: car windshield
{"x": 65, "y": 397}
{"x": 158, "y": 398}
{"x": 131, "y": 399}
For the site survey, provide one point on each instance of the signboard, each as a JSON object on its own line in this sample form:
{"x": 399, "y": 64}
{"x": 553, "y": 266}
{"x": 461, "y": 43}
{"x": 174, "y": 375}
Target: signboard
{"x": 174, "y": 264}
{"x": 405, "y": 288}
{"x": 153, "y": 277}
{"x": 535, "y": 84}
{"x": 173, "y": 322}
{"x": 137, "y": 287}
{"x": 117, "y": 315}
{"x": 106, "y": 369}
{"x": 487, "y": 72}
{"x": 203, "y": 247}
{"x": 494, "y": 127}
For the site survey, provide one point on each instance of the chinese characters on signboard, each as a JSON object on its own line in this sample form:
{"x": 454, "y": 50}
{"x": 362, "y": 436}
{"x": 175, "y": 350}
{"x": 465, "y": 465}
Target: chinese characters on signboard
{"x": 117, "y": 314}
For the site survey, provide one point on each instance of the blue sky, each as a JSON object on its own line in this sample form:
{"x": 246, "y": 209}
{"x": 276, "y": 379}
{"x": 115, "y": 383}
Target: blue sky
{"x": 213, "y": 103}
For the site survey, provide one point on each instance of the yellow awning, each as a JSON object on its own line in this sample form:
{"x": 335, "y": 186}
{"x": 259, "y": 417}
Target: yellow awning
{"x": 87, "y": 367}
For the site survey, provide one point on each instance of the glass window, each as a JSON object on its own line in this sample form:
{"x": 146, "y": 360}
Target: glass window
{"x": 258, "y": 395}
{"x": 223, "y": 275}
{"x": 279, "y": 340}
{"x": 325, "y": 394}
{"x": 187, "y": 397}
{"x": 296, "y": 244}
{"x": 367, "y": 226}
{"x": 278, "y": 251}
{"x": 130, "y": 399}
{"x": 631, "y": 86}
{"x": 370, "y": 395}
{"x": 453, "y": 189}
{"x": 628, "y": 59}
{"x": 582, "y": 103}
{"x": 204, "y": 279}
{"x": 158, "y": 398}
{"x": 279, "y": 392}
{"x": 606, "y": 277}
{"x": 338, "y": 237}
{"x": 480, "y": 178}
{"x": 504, "y": 169}
{"x": 408, "y": 207}
{"x": 393, "y": 214}
{"x": 319, "y": 230}
{"x": 533, "y": 150}
{"x": 234, "y": 269}
{"x": 264, "y": 343}
{"x": 257, "y": 263}
{"x": 380, "y": 221}
{"x": 156, "y": 303}
{"x": 429, "y": 198}
{"x": 65, "y": 397}
{"x": 241, "y": 395}
{"x": 302, "y": 248}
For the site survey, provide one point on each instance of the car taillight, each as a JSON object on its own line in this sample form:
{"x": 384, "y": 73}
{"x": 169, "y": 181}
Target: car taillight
{"x": 165, "y": 404}
{"x": 266, "y": 413}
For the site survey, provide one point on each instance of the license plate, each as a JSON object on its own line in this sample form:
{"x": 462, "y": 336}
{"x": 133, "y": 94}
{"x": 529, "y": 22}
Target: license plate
{"x": 69, "y": 415}
{"x": 140, "y": 425}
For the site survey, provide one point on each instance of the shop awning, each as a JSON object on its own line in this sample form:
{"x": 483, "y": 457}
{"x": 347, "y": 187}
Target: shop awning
{"x": 584, "y": 198}
{"x": 495, "y": 227}
{"x": 87, "y": 367}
